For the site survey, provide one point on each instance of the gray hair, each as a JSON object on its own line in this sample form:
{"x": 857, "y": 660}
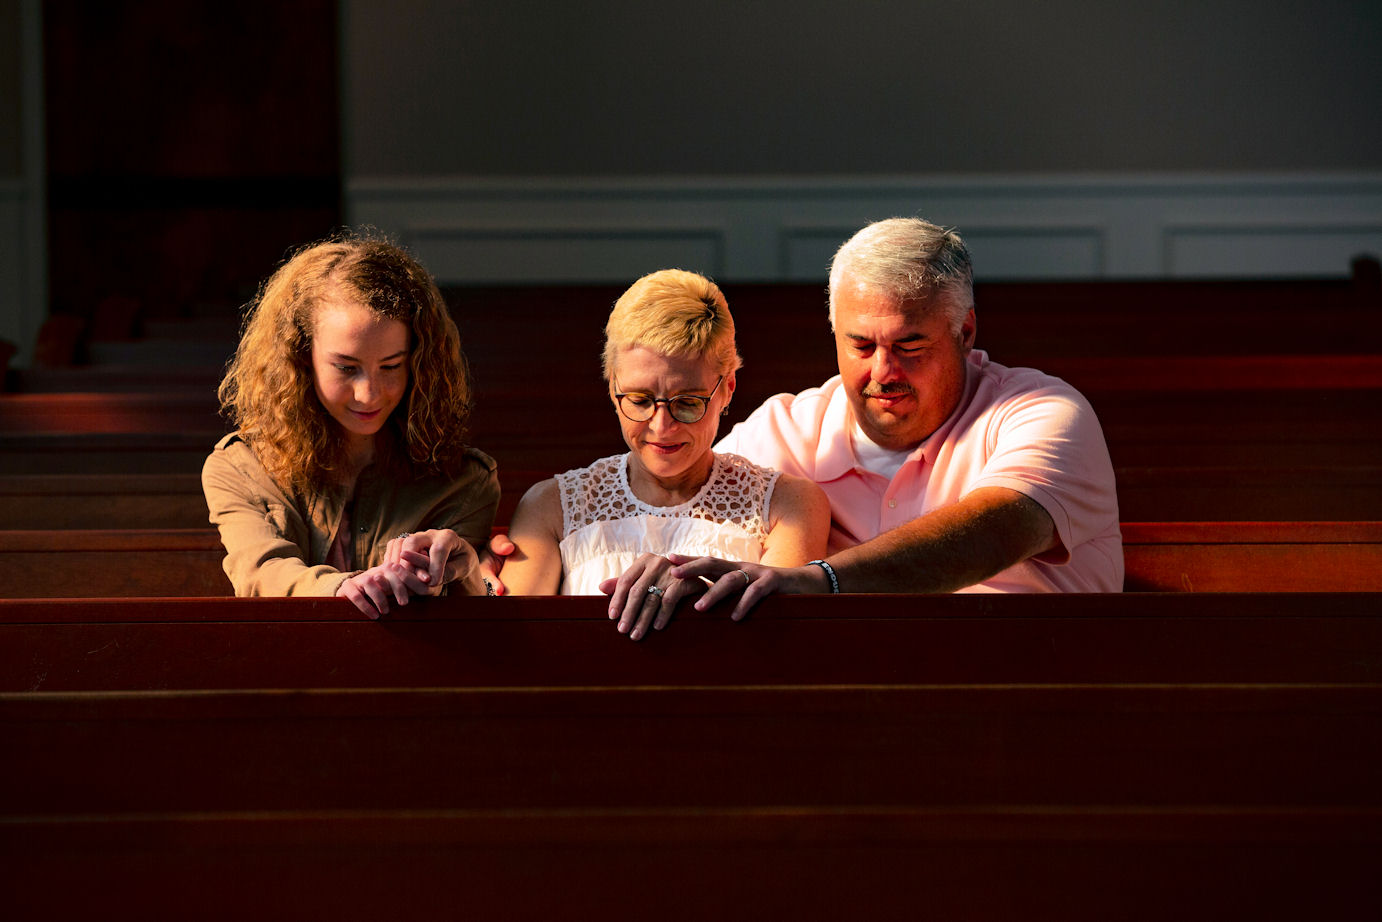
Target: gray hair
{"x": 906, "y": 259}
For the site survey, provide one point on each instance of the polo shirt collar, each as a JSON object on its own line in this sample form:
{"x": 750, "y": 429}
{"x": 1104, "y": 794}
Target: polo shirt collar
{"x": 835, "y": 450}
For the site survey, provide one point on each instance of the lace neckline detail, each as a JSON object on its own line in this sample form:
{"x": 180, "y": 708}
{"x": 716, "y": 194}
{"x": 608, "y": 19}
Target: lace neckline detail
{"x": 680, "y": 508}
{"x": 737, "y": 492}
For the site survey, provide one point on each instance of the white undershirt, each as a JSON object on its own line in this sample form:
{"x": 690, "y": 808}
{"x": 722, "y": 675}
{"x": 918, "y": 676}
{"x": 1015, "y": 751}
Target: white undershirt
{"x": 877, "y": 459}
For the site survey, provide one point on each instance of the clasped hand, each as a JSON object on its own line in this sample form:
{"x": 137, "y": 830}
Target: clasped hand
{"x": 677, "y": 577}
{"x": 646, "y": 596}
{"x": 649, "y": 591}
{"x": 420, "y": 563}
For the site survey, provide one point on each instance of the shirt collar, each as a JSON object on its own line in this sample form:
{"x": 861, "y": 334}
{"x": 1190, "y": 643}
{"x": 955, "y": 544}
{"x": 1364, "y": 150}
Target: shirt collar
{"x": 835, "y": 455}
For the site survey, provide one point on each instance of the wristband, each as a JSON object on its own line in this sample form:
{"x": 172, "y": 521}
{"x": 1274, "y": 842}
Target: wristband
{"x": 829, "y": 571}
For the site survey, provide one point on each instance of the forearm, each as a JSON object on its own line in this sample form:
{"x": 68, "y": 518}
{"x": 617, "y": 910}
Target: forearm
{"x": 950, "y": 548}
{"x": 254, "y": 575}
{"x": 462, "y": 571}
{"x": 534, "y": 568}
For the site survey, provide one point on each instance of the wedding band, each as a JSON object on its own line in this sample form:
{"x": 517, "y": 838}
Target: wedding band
{"x": 744, "y": 575}
{"x": 404, "y": 535}
{"x": 489, "y": 587}
{"x": 655, "y": 590}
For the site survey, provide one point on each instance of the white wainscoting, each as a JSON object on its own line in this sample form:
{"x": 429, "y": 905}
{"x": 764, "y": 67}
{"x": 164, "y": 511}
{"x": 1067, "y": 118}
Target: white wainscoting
{"x": 764, "y": 229}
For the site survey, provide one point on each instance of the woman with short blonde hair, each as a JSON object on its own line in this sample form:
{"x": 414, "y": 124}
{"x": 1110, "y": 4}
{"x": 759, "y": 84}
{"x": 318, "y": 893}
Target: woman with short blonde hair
{"x": 671, "y": 365}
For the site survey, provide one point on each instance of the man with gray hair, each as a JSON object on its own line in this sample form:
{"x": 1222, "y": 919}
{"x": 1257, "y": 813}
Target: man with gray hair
{"x": 945, "y": 471}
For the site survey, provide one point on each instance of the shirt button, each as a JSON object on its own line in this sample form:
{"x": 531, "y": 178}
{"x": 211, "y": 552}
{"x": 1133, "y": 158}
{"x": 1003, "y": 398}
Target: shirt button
{"x": 892, "y": 504}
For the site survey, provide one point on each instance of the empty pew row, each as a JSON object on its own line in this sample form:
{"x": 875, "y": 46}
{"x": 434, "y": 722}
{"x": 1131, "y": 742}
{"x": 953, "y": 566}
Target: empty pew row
{"x": 1263, "y": 429}
{"x": 1313, "y": 379}
{"x": 1260, "y": 445}
{"x": 1020, "y": 323}
{"x": 1178, "y": 493}
{"x": 1194, "y": 756}
{"x": 1158, "y": 557}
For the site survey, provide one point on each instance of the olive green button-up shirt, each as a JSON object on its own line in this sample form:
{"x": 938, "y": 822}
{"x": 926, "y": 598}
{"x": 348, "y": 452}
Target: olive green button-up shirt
{"x": 276, "y": 541}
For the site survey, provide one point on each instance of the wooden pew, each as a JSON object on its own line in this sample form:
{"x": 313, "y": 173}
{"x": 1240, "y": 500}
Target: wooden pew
{"x": 1237, "y": 379}
{"x": 524, "y": 644}
{"x": 101, "y": 501}
{"x": 173, "y": 410}
{"x": 78, "y": 563}
{"x": 880, "y": 863}
{"x": 1266, "y": 411}
{"x": 1032, "y": 756}
{"x": 1267, "y": 431}
{"x": 1251, "y": 493}
{"x": 111, "y": 501}
{"x": 1255, "y": 556}
{"x": 1158, "y": 557}
{"x": 1035, "y": 322}
{"x": 106, "y": 453}
{"x": 1028, "y": 322}
{"x": 1319, "y": 492}
{"x": 1271, "y": 414}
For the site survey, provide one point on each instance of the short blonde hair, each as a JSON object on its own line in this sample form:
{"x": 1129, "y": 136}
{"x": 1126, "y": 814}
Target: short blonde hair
{"x": 673, "y": 312}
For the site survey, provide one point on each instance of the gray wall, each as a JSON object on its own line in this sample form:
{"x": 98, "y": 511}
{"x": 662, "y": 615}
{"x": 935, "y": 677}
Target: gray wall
{"x": 22, "y": 281}
{"x": 11, "y": 91}
{"x": 807, "y": 88}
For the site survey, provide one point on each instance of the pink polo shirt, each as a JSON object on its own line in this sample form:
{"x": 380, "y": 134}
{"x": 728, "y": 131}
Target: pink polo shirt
{"x": 1014, "y": 428}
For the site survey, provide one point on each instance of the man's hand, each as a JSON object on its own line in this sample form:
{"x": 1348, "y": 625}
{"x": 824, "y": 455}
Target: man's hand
{"x": 751, "y": 582}
{"x": 492, "y": 562}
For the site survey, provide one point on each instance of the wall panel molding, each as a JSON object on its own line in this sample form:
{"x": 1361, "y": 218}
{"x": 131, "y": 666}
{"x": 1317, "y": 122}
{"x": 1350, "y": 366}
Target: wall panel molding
{"x": 489, "y": 230}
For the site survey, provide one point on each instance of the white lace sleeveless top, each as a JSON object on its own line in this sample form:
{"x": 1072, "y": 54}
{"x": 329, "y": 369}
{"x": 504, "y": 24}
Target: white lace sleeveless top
{"x": 605, "y": 527}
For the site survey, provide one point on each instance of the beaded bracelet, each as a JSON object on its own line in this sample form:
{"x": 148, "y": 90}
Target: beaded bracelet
{"x": 829, "y": 571}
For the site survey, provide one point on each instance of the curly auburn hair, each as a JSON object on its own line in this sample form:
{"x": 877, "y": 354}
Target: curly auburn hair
{"x": 269, "y": 393}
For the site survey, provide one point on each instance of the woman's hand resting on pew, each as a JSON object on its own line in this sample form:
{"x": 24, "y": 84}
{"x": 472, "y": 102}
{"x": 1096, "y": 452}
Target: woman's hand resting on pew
{"x": 646, "y": 596}
{"x": 370, "y": 590}
{"x": 421, "y": 563}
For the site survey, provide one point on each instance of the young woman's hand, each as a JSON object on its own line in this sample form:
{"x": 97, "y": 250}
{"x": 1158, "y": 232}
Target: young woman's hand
{"x": 372, "y": 590}
{"x": 432, "y": 557}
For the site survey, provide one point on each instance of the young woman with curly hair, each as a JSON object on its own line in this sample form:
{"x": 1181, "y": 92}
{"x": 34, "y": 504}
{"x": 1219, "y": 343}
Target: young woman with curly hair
{"x": 348, "y": 473}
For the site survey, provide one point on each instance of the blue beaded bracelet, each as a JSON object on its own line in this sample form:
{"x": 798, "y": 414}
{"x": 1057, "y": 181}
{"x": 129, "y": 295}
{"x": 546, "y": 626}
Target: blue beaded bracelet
{"x": 829, "y": 571}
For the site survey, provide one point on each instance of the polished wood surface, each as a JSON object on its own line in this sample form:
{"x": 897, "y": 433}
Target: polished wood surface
{"x": 1071, "y": 757}
{"x": 1158, "y": 557}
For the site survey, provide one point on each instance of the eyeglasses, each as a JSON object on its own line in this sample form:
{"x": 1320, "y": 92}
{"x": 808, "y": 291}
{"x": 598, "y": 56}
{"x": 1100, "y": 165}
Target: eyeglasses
{"x": 685, "y": 408}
